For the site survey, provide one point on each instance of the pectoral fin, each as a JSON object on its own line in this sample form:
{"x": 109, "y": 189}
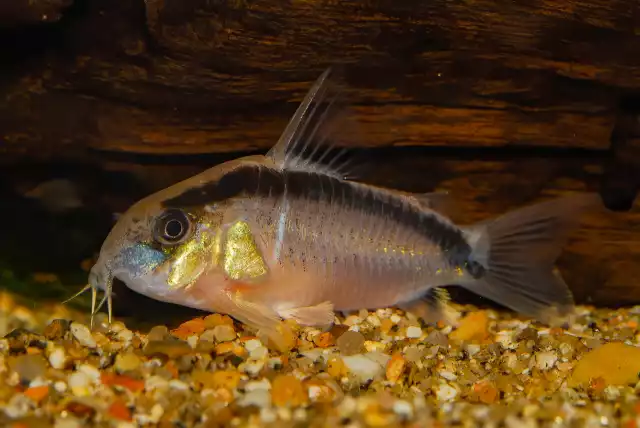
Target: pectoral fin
{"x": 318, "y": 315}
{"x": 257, "y": 316}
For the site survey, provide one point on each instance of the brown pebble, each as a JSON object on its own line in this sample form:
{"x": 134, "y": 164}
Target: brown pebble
{"x": 127, "y": 362}
{"x": 158, "y": 333}
{"x": 437, "y": 338}
{"x": 170, "y": 348}
{"x": 56, "y": 329}
{"x": 28, "y": 367}
{"x": 351, "y": 343}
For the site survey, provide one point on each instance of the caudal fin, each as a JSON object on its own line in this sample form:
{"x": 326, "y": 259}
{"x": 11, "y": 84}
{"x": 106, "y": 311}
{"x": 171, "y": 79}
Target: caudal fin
{"x": 518, "y": 251}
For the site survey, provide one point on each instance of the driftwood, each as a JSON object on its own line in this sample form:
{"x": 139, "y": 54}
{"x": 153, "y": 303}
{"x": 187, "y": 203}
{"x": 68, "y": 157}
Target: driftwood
{"x": 199, "y": 76}
{"x": 103, "y": 83}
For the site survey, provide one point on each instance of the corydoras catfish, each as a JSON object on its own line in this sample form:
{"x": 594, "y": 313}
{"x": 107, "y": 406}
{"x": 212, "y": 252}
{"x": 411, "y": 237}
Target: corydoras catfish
{"x": 279, "y": 236}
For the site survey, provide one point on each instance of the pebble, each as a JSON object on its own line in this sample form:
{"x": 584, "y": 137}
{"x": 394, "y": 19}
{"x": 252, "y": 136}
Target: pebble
{"x": 616, "y": 363}
{"x": 67, "y": 422}
{"x": 473, "y": 327}
{"x": 58, "y": 358}
{"x": 158, "y": 333}
{"x": 437, "y": 338}
{"x": 350, "y": 343}
{"x": 259, "y": 397}
{"x": 83, "y": 335}
{"x": 414, "y": 332}
{"x": 389, "y": 379}
{"x": 546, "y": 360}
{"x": 224, "y": 333}
{"x": 287, "y": 390}
{"x": 28, "y": 367}
{"x": 395, "y": 367}
{"x": 79, "y": 384}
{"x": 446, "y": 392}
{"x": 362, "y": 367}
{"x": 127, "y": 362}
{"x": 403, "y": 408}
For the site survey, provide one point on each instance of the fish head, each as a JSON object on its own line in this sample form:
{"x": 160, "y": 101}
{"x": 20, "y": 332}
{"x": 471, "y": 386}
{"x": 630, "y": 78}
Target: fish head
{"x": 158, "y": 247}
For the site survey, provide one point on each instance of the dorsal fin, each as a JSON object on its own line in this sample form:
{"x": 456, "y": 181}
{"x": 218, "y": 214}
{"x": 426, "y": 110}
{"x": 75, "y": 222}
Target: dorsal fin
{"x": 305, "y": 144}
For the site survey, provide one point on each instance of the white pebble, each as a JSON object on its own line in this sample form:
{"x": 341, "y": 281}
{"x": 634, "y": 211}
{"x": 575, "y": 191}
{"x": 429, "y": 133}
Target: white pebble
{"x": 192, "y": 341}
{"x": 60, "y": 386}
{"x": 124, "y": 335}
{"x": 448, "y": 375}
{"x": 252, "y": 344}
{"x": 259, "y": 397}
{"x": 472, "y": 349}
{"x": 91, "y": 371}
{"x": 546, "y": 360}
{"x": 178, "y": 384}
{"x": 364, "y": 368}
{"x": 267, "y": 415}
{"x": 156, "y": 382}
{"x": 18, "y": 406}
{"x": 253, "y": 367}
{"x": 446, "y": 392}
{"x": 347, "y": 406}
{"x": 57, "y": 358}
{"x": 611, "y": 393}
{"x": 256, "y": 385}
{"x": 259, "y": 353}
{"x": 300, "y": 415}
{"x": 83, "y": 335}
{"x": 403, "y": 408}
{"x": 414, "y": 332}
{"x": 79, "y": 383}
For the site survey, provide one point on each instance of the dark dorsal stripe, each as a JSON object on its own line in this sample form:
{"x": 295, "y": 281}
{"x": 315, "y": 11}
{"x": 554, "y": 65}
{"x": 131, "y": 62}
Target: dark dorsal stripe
{"x": 255, "y": 180}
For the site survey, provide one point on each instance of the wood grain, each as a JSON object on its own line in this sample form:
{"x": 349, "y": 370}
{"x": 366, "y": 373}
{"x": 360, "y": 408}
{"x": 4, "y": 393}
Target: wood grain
{"x": 221, "y": 76}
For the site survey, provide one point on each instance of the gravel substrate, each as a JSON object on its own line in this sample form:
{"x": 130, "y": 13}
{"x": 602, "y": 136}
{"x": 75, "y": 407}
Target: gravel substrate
{"x": 381, "y": 368}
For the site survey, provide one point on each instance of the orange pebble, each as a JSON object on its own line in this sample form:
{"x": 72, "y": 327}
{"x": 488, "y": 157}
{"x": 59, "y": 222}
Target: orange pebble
{"x": 386, "y": 325}
{"x": 486, "y": 392}
{"x": 324, "y": 340}
{"x": 189, "y": 328}
{"x": 395, "y": 367}
{"x": 473, "y": 327}
{"x": 131, "y": 384}
{"x": 171, "y": 368}
{"x": 119, "y": 410}
{"x": 37, "y": 393}
{"x": 287, "y": 390}
{"x": 214, "y": 320}
{"x": 225, "y": 348}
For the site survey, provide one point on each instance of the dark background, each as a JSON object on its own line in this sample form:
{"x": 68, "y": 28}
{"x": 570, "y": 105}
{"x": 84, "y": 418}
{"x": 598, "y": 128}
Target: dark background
{"x": 500, "y": 103}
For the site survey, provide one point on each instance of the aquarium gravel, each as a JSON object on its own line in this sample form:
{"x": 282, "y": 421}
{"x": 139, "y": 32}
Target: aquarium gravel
{"x": 380, "y": 368}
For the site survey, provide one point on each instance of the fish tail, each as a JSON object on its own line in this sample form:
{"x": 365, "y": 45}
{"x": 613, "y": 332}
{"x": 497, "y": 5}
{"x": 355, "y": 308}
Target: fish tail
{"x": 517, "y": 252}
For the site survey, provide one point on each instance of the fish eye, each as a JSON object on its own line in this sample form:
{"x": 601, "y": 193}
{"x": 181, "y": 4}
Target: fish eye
{"x": 171, "y": 227}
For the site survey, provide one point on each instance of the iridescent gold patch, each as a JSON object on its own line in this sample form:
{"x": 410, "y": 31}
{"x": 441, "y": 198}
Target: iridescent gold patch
{"x": 189, "y": 261}
{"x": 242, "y": 258}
